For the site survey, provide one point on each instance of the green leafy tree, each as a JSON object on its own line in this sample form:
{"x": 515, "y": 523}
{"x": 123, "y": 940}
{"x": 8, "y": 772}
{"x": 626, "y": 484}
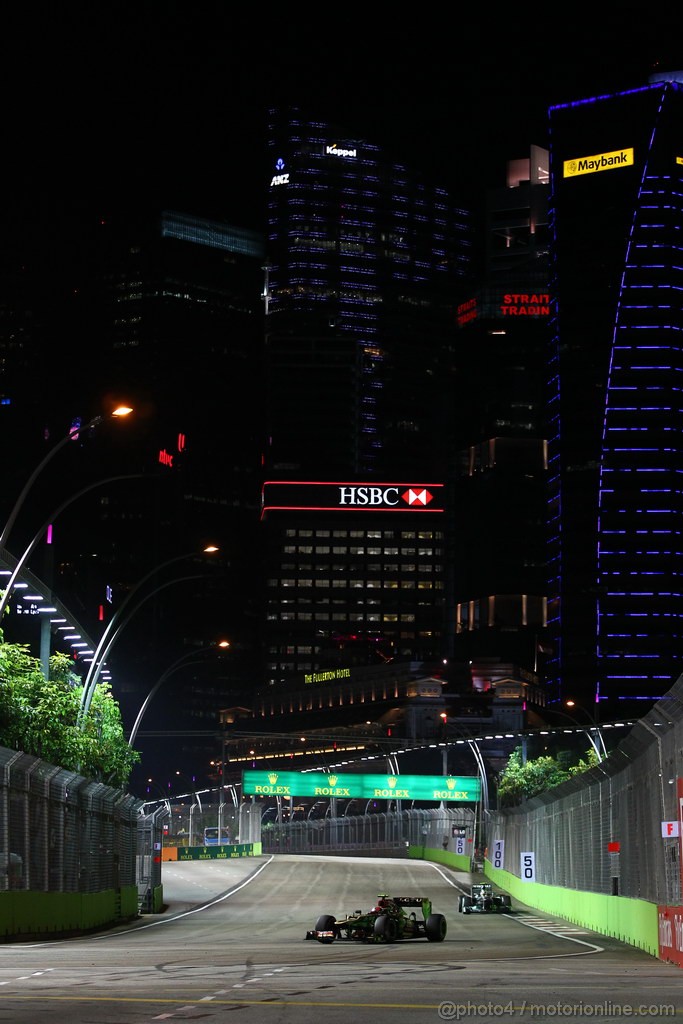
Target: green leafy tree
{"x": 521, "y": 781}
{"x": 39, "y": 716}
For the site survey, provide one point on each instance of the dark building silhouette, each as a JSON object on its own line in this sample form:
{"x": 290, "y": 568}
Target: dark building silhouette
{"x": 499, "y": 466}
{"x": 364, "y": 258}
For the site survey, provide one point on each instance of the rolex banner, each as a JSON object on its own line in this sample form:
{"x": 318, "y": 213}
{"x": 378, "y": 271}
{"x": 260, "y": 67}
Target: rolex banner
{"x": 459, "y": 789}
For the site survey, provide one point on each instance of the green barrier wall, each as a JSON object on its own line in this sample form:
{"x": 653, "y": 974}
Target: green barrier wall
{"x": 27, "y": 915}
{"x": 629, "y": 920}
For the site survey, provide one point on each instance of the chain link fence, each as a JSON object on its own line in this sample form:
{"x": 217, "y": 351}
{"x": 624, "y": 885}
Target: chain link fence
{"x": 60, "y": 832}
{"x": 388, "y": 833}
{"x": 605, "y": 831}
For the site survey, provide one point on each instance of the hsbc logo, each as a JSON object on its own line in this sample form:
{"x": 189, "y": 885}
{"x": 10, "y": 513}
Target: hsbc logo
{"x": 413, "y": 497}
{"x": 384, "y": 496}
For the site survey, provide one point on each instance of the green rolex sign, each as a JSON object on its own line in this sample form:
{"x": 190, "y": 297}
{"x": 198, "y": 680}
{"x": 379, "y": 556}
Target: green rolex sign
{"x": 458, "y": 789}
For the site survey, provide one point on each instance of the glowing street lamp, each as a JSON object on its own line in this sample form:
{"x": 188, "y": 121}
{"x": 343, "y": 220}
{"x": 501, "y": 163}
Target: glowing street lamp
{"x": 119, "y": 412}
{"x": 116, "y": 624}
{"x": 596, "y": 728}
{"x": 182, "y": 662}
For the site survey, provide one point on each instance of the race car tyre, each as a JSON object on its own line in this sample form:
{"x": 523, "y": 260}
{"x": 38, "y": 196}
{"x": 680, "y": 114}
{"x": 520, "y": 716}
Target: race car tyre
{"x": 325, "y": 923}
{"x": 436, "y": 928}
{"x": 461, "y": 904}
{"x": 385, "y": 928}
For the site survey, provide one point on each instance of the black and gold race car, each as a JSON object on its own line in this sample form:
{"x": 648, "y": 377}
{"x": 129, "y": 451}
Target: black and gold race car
{"x": 393, "y": 918}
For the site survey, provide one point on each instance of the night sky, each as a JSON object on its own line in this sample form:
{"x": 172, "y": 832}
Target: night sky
{"x": 165, "y": 102}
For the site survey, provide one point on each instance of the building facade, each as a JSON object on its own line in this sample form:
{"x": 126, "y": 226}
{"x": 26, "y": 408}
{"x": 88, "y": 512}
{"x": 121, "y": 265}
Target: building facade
{"x": 615, "y": 365}
{"x": 363, "y": 261}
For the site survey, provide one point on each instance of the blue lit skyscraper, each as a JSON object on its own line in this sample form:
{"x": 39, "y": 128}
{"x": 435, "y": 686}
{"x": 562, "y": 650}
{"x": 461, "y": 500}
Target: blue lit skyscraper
{"x": 616, "y": 367}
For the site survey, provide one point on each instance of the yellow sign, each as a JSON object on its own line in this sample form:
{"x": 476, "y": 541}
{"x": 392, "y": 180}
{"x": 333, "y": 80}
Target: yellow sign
{"x": 599, "y": 162}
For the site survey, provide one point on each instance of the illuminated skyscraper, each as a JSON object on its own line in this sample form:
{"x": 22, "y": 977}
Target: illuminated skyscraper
{"x": 364, "y": 261}
{"x": 364, "y": 258}
{"x": 615, "y": 370}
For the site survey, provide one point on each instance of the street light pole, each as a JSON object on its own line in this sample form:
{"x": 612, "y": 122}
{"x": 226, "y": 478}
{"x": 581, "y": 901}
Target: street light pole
{"x": 107, "y": 640}
{"x": 181, "y": 662}
{"x": 596, "y": 728}
{"x": 119, "y": 412}
{"x": 21, "y": 562}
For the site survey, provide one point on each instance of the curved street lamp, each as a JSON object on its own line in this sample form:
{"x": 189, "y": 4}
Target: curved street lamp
{"x": 21, "y": 562}
{"x": 118, "y": 413}
{"x": 601, "y": 754}
{"x": 115, "y": 625}
{"x": 182, "y": 662}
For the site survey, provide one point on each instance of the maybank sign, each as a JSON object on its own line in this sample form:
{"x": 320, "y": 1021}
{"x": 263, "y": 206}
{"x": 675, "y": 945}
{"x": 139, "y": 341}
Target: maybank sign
{"x": 599, "y": 162}
{"x": 459, "y": 789}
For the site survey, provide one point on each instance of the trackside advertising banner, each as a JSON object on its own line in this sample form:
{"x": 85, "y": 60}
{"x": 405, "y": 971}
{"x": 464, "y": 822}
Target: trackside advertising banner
{"x": 460, "y": 789}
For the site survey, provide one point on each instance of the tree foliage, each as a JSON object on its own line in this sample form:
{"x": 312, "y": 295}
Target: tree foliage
{"x": 521, "y": 780}
{"x": 39, "y": 717}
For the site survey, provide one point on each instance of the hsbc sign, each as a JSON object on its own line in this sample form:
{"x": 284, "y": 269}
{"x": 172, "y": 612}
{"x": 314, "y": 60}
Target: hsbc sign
{"x": 358, "y": 497}
{"x": 390, "y": 496}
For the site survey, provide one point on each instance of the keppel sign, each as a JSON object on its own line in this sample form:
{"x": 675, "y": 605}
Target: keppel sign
{"x": 457, "y": 789}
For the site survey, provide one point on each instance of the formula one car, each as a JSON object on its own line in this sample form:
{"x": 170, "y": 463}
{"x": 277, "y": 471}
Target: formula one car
{"x": 483, "y": 900}
{"x": 392, "y": 919}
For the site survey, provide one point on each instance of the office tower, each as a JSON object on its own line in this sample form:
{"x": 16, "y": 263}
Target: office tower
{"x": 499, "y": 468}
{"x": 615, "y": 370}
{"x": 356, "y": 575}
{"x": 363, "y": 261}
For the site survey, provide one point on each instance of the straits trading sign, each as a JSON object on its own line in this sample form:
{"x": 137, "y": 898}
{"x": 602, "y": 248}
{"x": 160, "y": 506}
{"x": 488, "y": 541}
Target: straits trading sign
{"x": 351, "y": 497}
{"x": 460, "y": 789}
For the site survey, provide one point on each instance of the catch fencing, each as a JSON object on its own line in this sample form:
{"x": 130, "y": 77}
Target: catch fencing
{"x": 613, "y": 829}
{"x": 389, "y": 833}
{"x": 60, "y": 832}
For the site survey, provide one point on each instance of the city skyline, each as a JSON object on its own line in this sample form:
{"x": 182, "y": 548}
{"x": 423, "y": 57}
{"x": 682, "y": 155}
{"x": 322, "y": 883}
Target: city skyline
{"x": 153, "y": 141}
{"x": 170, "y": 106}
